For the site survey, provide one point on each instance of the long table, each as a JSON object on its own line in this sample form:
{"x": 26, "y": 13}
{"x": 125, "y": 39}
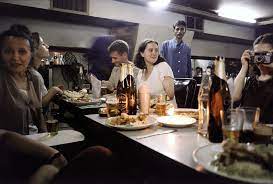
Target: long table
{"x": 170, "y": 145}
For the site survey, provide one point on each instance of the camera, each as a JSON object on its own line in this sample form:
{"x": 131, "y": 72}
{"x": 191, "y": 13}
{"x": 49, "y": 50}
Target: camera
{"x": 261, "y": 58}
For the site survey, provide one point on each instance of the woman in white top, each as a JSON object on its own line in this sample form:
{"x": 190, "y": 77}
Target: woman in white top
{"x": 155, "y": 72}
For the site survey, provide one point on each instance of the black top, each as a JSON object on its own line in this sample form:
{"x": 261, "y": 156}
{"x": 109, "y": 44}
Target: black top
{"x": 259, "y": 94}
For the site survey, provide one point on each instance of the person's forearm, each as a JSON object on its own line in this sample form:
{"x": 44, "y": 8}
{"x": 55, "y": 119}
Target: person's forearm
{"x": 50, "y": 94}
{"x": 20, "y": 144}
{"x": 239, "y": 83}
{"x": 168, "y": 85}
{"x": 46, "y": 99}
{"x": 43, "y": 175}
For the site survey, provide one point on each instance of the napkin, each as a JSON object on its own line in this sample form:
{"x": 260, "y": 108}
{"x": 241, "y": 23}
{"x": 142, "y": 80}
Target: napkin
{"x": 96, "y": 86}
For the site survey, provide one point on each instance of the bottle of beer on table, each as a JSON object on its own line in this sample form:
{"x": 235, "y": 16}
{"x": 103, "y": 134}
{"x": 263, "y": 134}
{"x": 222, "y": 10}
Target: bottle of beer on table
{"x": 122, "y": 90}
{"x": 220, "y": 99}
{"x": 131, "y": 91}
{"x": 126, "y": 90}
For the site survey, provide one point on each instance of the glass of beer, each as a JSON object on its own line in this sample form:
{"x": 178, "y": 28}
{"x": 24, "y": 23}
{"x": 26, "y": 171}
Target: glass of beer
{"x": 232, "y": 123}
{"x": 52, "y": 127}
{"x": 251, "y": 116}
{"x": 103, "y": 90}
{"x": 262, "y": 133}
{"x": 112, "y": 106}
{"x": 161, "y": 105}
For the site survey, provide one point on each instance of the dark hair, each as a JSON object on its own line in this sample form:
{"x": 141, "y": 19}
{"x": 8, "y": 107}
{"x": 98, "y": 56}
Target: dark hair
{"x": 180, "y": 23}
{"x": 264, "y": 39}
{"x": 17, "y": 30}
{"x": 120, "y": 46}
{"x": 36, "y": 39}
{"x": 139, "y": 60}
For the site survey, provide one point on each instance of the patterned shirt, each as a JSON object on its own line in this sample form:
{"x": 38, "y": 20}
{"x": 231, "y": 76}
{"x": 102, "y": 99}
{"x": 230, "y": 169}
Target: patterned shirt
{"x": 178, "y": 56}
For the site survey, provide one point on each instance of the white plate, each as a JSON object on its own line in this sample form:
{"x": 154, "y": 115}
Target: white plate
{"x": 148, "y": 122}
{"x": 186, "y": 110}
{"x": 206, "y": 154}
{"x": 176, "y": 121}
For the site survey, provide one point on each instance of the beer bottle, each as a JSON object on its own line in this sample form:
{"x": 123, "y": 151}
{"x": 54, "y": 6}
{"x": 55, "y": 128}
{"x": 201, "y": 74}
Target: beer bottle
{"x": 220, "y": 99}
{"x": 122, "y": 89}
{"x": 132, "y": 93}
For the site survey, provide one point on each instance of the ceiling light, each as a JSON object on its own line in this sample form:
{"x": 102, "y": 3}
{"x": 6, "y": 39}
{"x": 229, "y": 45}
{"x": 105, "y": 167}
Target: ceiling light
{"x": 238, "y": 13}
{"x": 159, "y": 4}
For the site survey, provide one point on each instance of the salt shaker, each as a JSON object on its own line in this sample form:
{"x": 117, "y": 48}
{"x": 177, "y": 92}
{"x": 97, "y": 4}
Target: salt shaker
{"x": 144, "y": 98}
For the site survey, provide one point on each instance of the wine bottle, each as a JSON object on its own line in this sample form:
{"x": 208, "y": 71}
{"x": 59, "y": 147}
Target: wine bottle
{"x": 220, "y": 99}
{"x": 131, "y": 92}
{"x": 122, "y": 89}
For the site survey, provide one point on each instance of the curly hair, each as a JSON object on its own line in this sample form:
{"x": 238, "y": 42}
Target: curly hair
{"x": 139, "y": 60}
{"x": 17, "y": 30}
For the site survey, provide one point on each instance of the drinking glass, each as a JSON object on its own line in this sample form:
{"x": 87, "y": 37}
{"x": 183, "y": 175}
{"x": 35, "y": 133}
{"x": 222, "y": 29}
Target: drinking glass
{"x": 161, "y": 105}
{"x": 251, "y": 116}
{"x": 144, "y": 102}
{"x": 112, "y": 106}
{"x": 232, "y": 123}
{"x": 262, "y": 133}
{"x": 104, "y": 89}
{"x": 52, "y": 127}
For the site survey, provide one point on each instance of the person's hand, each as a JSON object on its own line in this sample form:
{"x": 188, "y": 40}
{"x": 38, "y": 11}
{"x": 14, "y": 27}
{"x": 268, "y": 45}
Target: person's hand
{"x": 245, "y": 58}
{"x": 55, "y": 90}
{"x": 61, "y": 87}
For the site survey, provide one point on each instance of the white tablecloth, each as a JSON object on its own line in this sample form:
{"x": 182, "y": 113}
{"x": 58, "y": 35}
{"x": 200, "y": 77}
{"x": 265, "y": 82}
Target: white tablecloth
{"x": 63, "y": 137}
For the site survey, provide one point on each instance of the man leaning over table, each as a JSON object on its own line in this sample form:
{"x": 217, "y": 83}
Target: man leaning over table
{"x": 177, "y": 53}
{"x": 119, "y": 51}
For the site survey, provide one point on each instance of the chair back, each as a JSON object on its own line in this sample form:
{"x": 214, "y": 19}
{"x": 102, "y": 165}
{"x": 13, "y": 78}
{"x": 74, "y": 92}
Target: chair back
{"x": 185, "y": 92}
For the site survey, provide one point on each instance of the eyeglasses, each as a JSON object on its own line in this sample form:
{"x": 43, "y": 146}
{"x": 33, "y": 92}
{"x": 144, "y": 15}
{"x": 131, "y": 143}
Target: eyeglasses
{"x": 262, "y": 58}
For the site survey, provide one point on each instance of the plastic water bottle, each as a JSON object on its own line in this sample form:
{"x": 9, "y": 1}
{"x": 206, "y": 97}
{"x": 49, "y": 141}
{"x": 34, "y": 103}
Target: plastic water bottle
{"x": 203, "y": 106}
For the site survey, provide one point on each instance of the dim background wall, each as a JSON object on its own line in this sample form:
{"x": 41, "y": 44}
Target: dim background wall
{"x": 152, "y": 23}
{"x": 58, "y": 34}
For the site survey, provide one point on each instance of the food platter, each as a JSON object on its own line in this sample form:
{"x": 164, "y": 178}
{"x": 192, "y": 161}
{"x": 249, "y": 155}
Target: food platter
{"x": 187, "y": 112}
{"x": 138, "y": 124}
{"x": 74, "y": 94}
{"x": 80, "y": 102}
{"x": 80, "y": 98}
{"x": 177, "y": 121}
{"x": 205, "y": 155}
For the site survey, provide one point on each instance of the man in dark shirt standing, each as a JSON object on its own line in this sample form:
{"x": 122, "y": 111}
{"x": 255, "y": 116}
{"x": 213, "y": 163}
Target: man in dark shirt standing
{"x": 177, "y": 53}
{"x": 100, "y": 63}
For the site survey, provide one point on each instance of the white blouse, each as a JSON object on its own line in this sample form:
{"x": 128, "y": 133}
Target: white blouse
{"x": 155, "y": 80}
